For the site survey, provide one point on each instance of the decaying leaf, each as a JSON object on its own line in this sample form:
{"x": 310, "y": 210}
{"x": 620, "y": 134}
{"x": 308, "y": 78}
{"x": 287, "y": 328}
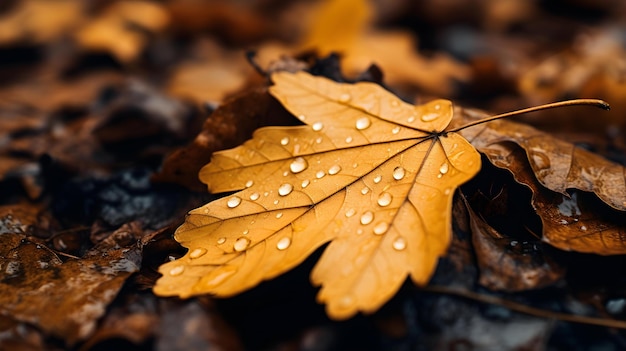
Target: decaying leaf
{"x": 557, "y": 164}
{"x": 571, "y": 221}
{"x": 371, "y": 174}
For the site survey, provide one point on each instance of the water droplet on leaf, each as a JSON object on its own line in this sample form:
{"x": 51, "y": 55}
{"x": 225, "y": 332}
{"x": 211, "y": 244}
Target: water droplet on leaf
{"x": 284, "y": 141}
{"x": 384, "y": 199}
{"x": 305, "y": 183}
{"x": 334, "y": 169}
{"x": 381, "y": 228}
{"x": 363, "y": 123}
{"x": 221, "y": 240}
{"x": 283, "y": 243}
{"x": 320, "y": 174}
{"x": 367, "y": 217}
{"x": 254, "y": 196}
{"x": 351, "y": 212}
{"x": 395, "y": 130}
{"x": 178, "y": 270}
{"x": 249, "y": 183}
{"x": 344, "y": 98}
{"x": 444, "y": 168}
{"x": 233, "y": 202}
{"x": 399, "y": 243}
{"x": 298, "y": 165}
{"x": 241, "y": 244}
{"x": 285, "y": 189}
{"x": 199, "y": 252}
{"x": 317, "y": 126}
{"x": 377, "y": 179}
{"x": 398, "y": 173}
{"x": 429, "y": 117}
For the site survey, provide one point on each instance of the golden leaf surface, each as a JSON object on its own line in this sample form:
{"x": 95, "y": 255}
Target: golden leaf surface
{"x": 369, "y": 173}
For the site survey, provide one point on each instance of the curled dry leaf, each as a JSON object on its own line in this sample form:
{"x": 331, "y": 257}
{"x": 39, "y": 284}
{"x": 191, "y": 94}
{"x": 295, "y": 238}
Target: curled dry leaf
{"x": 368, "y": 172}
{"x": 557, "y": 164}
{"x": 505, "y": 264}
{"x": 570, "y": 221}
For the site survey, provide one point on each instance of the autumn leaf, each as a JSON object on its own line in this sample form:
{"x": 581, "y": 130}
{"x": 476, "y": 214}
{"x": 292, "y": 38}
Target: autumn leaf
{"x": 370, "y": 174}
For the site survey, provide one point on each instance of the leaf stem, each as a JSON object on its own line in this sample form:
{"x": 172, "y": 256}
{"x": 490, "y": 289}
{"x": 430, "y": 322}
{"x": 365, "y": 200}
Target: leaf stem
{"x": 591, "y": 102}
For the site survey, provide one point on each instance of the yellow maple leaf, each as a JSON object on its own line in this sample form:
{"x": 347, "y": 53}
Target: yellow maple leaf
{"x": 368, "y": 172}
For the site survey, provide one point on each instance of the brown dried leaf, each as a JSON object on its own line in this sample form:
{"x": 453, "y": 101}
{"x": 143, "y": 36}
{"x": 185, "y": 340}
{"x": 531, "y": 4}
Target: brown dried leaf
{"x": 64, "y": 299}
{"x": 505, "y": 264}
{"x": 557, "y": 164}
{"x": 368, "y": 172}
{"x": 571, "y": 221}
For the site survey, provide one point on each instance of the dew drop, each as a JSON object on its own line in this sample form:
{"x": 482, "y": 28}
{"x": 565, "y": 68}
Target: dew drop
{"x": 305, "y": 183}
{"x": 377, "y": 179}
{"x": 241, "y": 244}
{"x": 583, "y": 228}
{"x": 439, "y": 175}
{"x": 283, "y": 243}
{"x": 444, "y": 168}
{"x": 334, "y": 169}
{"x": 254, "y": 196}
{"x": 381, "y": 228}
{"x": 437, "y": 107}
{"x": 317, "y": 126}
{"x": 367, "y": 217}
{"x": 284, "y": 141}
{"x": 359, "y": 231}
{"x": 351, "y": 212}
{"x": 320, "y": 174}
{"x": 178, "y": 270}
{"x": 285, "y": 173}
{"x": 266, "y": 193}
{"x": 395, "y": 103}
{"x": 199, "y": 252}
{"x": 233, "y": 202}
{"x": 365, "y": 190}
{"x": 429, "y": 117}
{"x": 249, "y": 183}
{"x": 411, "y": 119}
{"x": 298, "y": 165}
{"x": 279, "y": 215}
{"x": 221, "y": 240}
{"x": 276, "y": 202}
{"x": 285, "y": 189}
{"x": 384, "y": 199}
{"x": 318, "y": 140}
{"x": 363, "y": 123}
{"x": 395, "y": 130}
{"x": 399, "y": 243}
{"x": 206, "y": 211}
{"x": 296, "y": 149}
{"x": 348, "y": 140}
{"x": 245, "y": 232}
{"x": 302, "y": 117}
{"x": 398, "y": 173}
{"x": 446, "y": 191}
{"x": 344, "y": 98}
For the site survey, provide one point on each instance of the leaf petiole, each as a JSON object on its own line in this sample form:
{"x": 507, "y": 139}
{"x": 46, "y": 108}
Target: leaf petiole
{"x": 591, "y": 102}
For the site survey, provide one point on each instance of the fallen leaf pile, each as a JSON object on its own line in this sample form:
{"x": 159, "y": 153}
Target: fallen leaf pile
{"x": 341, "y": 181}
